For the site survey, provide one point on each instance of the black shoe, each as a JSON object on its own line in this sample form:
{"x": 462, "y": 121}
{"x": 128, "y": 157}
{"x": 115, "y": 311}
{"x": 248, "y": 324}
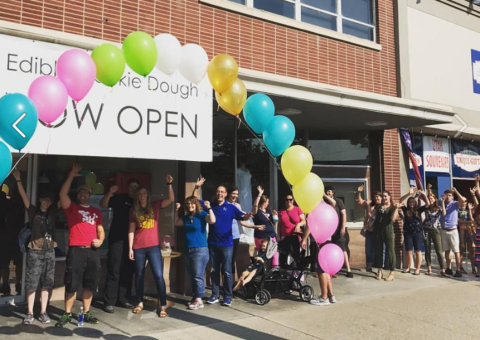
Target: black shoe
{"x": 65, "y": 319}
{"x": 89, "y": 318}
{"x": 124, "y": 304}
{"x": 448, "y": 272}
{"x": 457, "y": 274}
{"x": 109, "y": 309}
{"x": 350, "y": 275}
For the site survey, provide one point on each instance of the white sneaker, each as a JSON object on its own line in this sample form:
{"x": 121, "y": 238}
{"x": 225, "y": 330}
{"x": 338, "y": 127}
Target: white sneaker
{"x": 332, "y": 299}
{"x": 320, "y": 302}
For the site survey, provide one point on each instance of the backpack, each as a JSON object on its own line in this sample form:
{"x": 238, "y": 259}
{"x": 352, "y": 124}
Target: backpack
{"x": 24, "y": 237}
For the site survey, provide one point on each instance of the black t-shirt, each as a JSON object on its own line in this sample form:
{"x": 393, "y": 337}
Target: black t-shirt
{"x": 42, "y": 225}
{"x": 121, "y": 205}
{"x": 339, "y": 206}
{"x": 3, "y": 209}
{"x": 264, "y": 218}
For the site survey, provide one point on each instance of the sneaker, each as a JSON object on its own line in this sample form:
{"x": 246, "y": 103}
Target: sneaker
{"x": 44, "y": 318}
{"x": 227, "y": 302}
{"x": 448, "y": 272}
{"x": 28, "y": 320}
{"x": 213, "y": 299}
{"x": 89, "y": 318}
{"x": 320, "y": 302}
{"x": 350, "y": 275}
{"x": 195, "y": 305}
{"x": 457, "y": 274}
{"x": 332, "y": 299}
{"x": 192, "y": 300}
{"x": 124, "y": 304}
{"x": 65, "y": 319}
{"x": 109, "y": 309}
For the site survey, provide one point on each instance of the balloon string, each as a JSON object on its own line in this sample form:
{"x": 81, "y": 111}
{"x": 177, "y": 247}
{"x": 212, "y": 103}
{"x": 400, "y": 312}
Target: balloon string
{"x": 49, "y": 139}
{"x": 15, "y": 166}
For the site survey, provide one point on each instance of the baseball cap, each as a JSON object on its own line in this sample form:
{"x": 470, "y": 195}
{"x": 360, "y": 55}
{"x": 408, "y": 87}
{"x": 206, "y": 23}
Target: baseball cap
{"x": 328, "y": 187}
{"x": 84, "y": 187}
{"x": 47, "y": 194}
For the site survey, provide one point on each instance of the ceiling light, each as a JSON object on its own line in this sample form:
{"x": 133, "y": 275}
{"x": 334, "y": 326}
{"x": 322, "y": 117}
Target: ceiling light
{"x": 288, "y": 112}
{"x": 376, "y": 123}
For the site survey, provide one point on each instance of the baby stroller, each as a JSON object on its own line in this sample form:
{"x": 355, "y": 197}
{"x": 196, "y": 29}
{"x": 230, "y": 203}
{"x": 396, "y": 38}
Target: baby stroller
{"x": 285, "y": 279}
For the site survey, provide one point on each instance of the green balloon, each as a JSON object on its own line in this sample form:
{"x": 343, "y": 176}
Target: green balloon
{"x": 110, "y": 63}
{"x": 140, "y": 52}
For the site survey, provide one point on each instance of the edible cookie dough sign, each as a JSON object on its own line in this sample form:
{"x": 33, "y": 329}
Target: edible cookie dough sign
{"x": 156, "y": 116}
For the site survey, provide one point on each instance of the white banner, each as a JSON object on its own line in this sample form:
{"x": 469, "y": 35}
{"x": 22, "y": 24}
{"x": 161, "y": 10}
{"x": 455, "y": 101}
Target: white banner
{"x": 436, "y": 154}
{"x": 467, "y": 162}
{"x": 155, "y": 117}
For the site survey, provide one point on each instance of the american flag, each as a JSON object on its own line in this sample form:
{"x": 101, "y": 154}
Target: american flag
{"x": 407, "y": 143}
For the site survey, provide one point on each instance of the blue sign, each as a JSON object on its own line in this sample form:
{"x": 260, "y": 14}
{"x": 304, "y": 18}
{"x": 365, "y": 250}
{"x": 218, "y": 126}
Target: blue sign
{"x": 476, "y": 71}
{"x": 465, "y": 158}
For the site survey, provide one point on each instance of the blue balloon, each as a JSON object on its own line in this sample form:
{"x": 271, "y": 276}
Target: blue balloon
{"x": 5, "y": 162}
{"x": 279, "y": 135}
{"x": 18, "y": 119}
{"x": 258, "y": 112}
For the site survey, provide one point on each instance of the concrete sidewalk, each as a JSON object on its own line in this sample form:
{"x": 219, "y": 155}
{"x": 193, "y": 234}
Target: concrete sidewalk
{"x": 428, "y": 307}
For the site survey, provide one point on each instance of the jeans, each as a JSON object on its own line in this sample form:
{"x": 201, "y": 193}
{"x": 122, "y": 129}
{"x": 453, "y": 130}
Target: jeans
{"x": 236, "y": 242}
{"x": 155, "y": 259}
{"x": 197, "y": 259}
{"x": 433, "y": 235}
{"x": 119, "y": 273}
{"x": 222, "y": 258}
{"x": 413, "y": 241}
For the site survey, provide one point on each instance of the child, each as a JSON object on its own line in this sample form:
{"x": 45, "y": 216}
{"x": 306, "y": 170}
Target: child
{"x": 257, "y": 263}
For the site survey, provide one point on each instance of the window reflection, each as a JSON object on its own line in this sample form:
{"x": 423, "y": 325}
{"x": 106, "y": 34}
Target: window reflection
{"x": 281, "y": 7}
{"x": 339, "y": 148}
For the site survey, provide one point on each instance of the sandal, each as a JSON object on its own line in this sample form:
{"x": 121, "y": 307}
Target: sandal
{"x": 406, "y": 271}
{"x": 443, "y": 274}
{"x": 163, "y": 312}
{"x": 428, "y": 272}
{"x": 137, "y": 309}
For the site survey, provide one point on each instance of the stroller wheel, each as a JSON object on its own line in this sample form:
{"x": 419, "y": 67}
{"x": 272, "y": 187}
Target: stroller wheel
{"x": 306, "y": 293}
{"x": 263, "y": 297}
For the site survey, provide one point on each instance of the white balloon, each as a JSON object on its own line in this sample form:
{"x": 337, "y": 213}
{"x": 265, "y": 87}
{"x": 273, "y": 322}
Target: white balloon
{"x": 194, "y": 63}
{"x": 169, "y": 53}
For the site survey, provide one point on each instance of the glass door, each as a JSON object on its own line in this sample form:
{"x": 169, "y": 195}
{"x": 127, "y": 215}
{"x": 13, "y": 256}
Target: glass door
{"x": 12, "y": 220}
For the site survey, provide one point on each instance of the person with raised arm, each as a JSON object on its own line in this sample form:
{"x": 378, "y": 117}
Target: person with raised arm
{"x": 431, "y": 228}
{"x": 119, "y": 267}
{"x": 83, "y": 258}
{"x": 194, "y": 219}
{"x": 40, "y": 263}
{"x": 449, "y": 231}
{"x": 144, "y": 244}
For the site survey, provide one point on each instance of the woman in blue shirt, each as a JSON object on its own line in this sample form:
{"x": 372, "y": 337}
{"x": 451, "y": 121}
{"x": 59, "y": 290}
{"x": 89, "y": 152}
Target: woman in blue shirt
{"x": 195, "y": 221}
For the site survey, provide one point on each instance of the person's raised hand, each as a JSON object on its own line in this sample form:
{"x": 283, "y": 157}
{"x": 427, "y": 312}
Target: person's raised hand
{"x": 200, "y": 182}
{"x": 75, "y": 172}
{"x": 177, "y": 206}
{"x": 16, "y": 174}
{"x": 169, "y": 179}
{"x": 361, "y": 188}
{"x": 113, "y": 189}
{"x": 207, "y": 204}
{"x": 260, "y": 190}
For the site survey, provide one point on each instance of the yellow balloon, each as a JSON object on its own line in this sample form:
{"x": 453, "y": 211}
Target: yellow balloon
{"x": 90, "y": 179}
{"x": 222, "y": 72}
{"x": 309, "y": 192}
{"x": 233, "y": 100}
{"x": 97, "y": 189}
{"x": 297, "y": 162}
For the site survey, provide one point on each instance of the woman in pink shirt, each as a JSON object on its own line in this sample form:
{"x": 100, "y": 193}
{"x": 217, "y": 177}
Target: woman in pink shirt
{"x": 292, "y": 219}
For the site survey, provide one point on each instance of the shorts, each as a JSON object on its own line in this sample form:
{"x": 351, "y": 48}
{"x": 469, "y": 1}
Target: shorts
{"x": 450, "y": 240}
{"x": 40, "y": 271}
{"x": 413, "y": 241}
{"x": 340, "y": 241}
{"x": 318, "y": 268}
{"x": 82, "y": 269}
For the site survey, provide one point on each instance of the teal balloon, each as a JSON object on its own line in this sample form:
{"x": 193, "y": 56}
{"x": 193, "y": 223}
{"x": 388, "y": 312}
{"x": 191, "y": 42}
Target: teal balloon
{"x": 258, "y": 112}
{"x": 279, "y": 135}
{"x": 5, "y": 162}
{"x": 18, "y": 120}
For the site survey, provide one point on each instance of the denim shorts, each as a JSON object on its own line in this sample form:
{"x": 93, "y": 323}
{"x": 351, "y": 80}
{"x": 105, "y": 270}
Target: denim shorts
{"x": 413, "y": 241}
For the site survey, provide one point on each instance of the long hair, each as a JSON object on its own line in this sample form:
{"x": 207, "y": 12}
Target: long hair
{"x": 375, "y": 193}
{"x": 194, "y": 200}
{"x": 412, "y": 211}
{"x": 389, "y": 195}
{"x": 434, "y": 206}
{"x": 146, "y": 212}
{"x": 263, "y": 199}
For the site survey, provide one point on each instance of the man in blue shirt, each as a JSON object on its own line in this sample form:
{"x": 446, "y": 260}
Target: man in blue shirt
{"x": 449, "y": 231}
{"x": 220, "y": 243}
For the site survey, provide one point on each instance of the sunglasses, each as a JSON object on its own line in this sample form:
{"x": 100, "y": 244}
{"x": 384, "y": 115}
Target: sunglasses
{"x": 289, "y": 199}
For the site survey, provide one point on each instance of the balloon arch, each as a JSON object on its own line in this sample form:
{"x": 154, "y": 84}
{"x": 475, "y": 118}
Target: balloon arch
{"x": 76, "y": 73}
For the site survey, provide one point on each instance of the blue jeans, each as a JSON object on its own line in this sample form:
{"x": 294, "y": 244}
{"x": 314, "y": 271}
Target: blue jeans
{"x": 156, "y": 265}
{"x": 222, "y": 258}
{"x": 197, "y": 259}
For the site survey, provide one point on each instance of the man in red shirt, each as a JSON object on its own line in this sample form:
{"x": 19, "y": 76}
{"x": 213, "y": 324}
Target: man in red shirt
{"x": 83, "y": 260}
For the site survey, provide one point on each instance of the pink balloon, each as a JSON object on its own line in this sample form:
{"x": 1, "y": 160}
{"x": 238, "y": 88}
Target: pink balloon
{"x": 331, "y": 258}
{"x": 76, "y": 69}
{"x": 322, "y": 222}
{"x": 50, "y": 97}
